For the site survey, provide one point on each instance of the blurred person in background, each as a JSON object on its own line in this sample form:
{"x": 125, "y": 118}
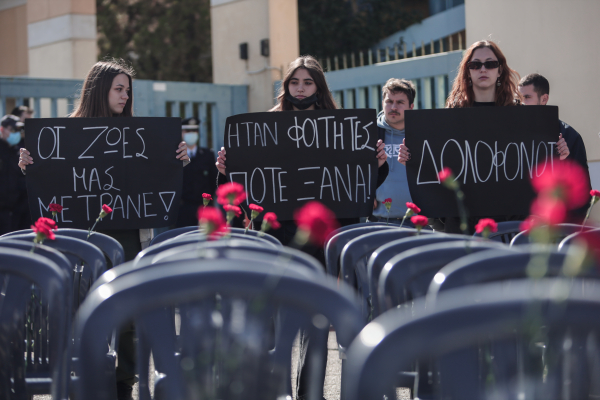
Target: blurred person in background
{"x": 198, "y": 177}
{"x": 21, "y": 216}
{"x": 10, "y": 137}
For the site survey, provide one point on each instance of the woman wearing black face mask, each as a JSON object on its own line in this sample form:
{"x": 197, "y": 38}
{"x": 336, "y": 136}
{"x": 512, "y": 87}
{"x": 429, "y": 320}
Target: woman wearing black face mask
{"x": 304, "y": 88}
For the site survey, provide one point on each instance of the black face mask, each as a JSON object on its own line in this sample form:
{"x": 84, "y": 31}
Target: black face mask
{"x": 304, "y": 103}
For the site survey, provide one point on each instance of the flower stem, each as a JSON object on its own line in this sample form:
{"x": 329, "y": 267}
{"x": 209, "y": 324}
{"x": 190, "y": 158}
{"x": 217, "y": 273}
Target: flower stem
{"x": 587, "y": 215}
{"x": 92, "y": 228}
{"x": 461, "y": 209}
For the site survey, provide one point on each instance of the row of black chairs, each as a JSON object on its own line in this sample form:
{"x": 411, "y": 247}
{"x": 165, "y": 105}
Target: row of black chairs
{"x": 218, "y": 318}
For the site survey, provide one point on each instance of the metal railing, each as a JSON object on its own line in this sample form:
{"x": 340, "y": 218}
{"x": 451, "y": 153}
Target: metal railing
{"x": 211, "y": 103}
{"x": 432, "y": 75}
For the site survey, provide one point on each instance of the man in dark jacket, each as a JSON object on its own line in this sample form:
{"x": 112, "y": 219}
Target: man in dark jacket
{"x": 198, "y": 177}
{"x": 9, "y": 175}
{"x": 535, "y": 90}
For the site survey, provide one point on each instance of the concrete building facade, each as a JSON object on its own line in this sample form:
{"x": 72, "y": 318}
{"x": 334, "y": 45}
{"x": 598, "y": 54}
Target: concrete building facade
{"x": 48, "y": 38}
{"x": 557, "y": 39}
{"x": 238, "y": 22}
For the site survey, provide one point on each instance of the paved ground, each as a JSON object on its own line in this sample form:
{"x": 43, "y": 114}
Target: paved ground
{"x": 332, "y": 375}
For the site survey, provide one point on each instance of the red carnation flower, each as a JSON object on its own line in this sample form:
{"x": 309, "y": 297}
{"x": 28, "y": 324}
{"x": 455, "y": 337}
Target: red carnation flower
{"x": 388, "y": 200}
{"x": 595, "y": 193}
{"x": 486, "y": 223}
{"x": 55, "y": 207}
{"x": 256, "y": 208}
{"x": 317, "y": 221}
{"x": 233, "y": 209}
{"x": 43, "y": 228}
{"x": 567, "y": 182}
{"x": 413, "y": 207}
{"x": 206, "y": 198}
{"x": 445, "y": 174}
{"x": 211, "y": 221}
{"x": 270, "y": 222}
{"x": 550, "y": 210}
{"x": 231, "y": 193}
{"x": 106, "y": 209}
{"x": 419, "y": 220}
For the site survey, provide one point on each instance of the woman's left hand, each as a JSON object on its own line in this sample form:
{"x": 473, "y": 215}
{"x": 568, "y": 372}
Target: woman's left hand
{"x": 561, "y": 147}
{"x": 381, "y": 154}
{"x": 182, "y": 152}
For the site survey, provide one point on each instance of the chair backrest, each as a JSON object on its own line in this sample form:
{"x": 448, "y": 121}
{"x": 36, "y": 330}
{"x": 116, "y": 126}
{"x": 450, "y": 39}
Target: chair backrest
{"x": 466, "y": 317}
{"x": 386, "y": 251}
{"x": 566, "y": 242}
{"x": 255, "y": 291}
{"x": 87, "y": 261}
{"x": 194, "y": 239}
{"x": 249, "y": 232}
{"x": 171, "y": 233}
{"x": 506, "y": 231}
{"x": 47, "y": 317}
{"x": 501, "y": 265}
{"x": 335, "y": 245}
{"x": 356, "y": 253}
{"x": 408, "y": 275}
{"x": 561, "y": 232}
{"x": 225, "y": 249}
{"x": 112, "y": 249}
{"x": 41, "y": 250}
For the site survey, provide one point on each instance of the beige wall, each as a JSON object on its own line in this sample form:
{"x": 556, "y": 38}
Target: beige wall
{"x": 13, "y": 46}
{"x": 559, "y": 40}
{"x": 237, "y": 21}
{"x": 39, "y": 10}
{"x": 61, "y": 38}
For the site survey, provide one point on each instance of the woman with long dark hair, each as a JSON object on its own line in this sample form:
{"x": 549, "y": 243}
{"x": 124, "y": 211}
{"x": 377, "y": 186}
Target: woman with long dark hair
{"x": 108, "y": 92}
{"x": 304, "y": 88}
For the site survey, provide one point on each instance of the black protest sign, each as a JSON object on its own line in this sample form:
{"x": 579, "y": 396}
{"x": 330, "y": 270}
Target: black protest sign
{"x": 127, "y": 163}
{"x": 492, "y": 151}
{"x": 285, "y": 159}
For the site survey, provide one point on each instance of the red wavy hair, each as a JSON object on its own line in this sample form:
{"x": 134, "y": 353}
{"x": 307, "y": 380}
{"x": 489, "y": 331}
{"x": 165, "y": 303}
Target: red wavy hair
{"x": 507, "y": 94}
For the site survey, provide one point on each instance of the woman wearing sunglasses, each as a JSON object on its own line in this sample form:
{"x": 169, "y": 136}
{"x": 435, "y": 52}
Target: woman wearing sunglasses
{"x": 484, "y": 79}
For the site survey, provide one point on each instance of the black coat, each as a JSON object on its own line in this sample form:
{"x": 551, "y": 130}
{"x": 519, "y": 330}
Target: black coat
{"x": 199, "y": 176}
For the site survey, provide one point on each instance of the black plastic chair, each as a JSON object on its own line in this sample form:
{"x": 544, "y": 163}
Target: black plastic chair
{"x": 241, "y": 231}
{"x": 566, "y": 242}
{"x": 356, "y": 253}
{"x": 408, "y": 275}
{"x": 195, "y": 239}
{"x": 502, "y": 265}
{"x": 562, "y": 231}
{"x": 506, "y": 231}
{"x": 462, "y": 319}
{"x": 217, "y": 249}
{"x": 87, "y": 261}
{"x": 112, "y": 249}
{"x": 37, "y": 317}
{"x": 241, "y": 331}
{"x": 383, "y": 254}
{"x": 171, "y": 233}
{"x": 335, "y": 245}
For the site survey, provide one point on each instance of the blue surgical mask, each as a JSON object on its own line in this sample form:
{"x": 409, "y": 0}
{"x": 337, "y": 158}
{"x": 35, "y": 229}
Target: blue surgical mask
{"x": 14, "y": 138}
{"x": 191, "y": 138}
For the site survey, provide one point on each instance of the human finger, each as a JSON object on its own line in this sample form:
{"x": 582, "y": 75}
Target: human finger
{"x": 23, "y": 150}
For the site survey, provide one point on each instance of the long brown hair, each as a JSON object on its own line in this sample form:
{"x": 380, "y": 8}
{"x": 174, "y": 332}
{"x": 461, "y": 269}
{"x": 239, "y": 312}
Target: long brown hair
{"x": 507, "y": 93}
{"x": 93, "y": 101}
{"x": 313, "y": 67}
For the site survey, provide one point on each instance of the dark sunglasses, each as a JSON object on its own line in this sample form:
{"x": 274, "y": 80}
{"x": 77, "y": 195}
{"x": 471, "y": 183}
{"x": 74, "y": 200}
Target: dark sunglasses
{"x": 479, "y": 64}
